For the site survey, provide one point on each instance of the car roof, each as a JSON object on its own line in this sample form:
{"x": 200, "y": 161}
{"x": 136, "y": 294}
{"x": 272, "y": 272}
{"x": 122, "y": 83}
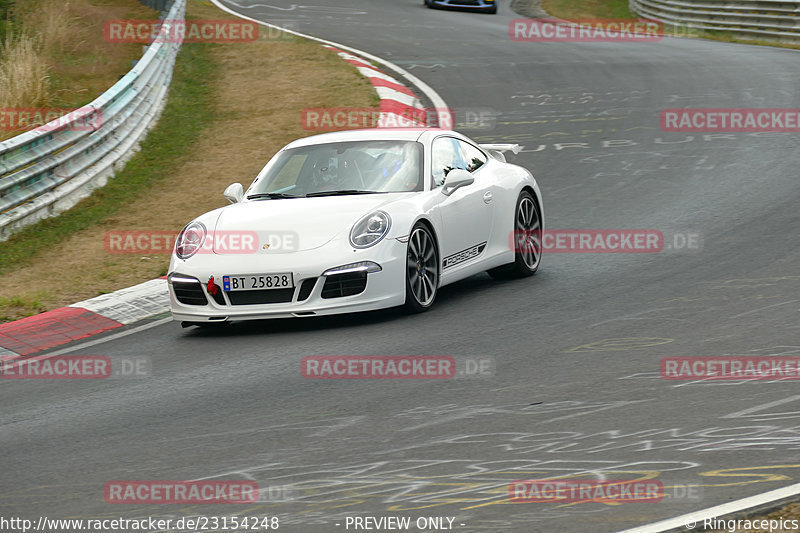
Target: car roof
{"x": 376, "y": 134}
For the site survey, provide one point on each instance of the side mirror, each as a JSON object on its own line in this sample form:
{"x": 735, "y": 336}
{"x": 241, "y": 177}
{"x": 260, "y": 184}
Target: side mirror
{"x": 456, "y": 179}
{"x": 234, "y": 193}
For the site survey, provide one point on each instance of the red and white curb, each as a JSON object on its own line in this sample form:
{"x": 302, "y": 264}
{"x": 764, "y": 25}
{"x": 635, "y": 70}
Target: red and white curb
{"x": 83, "y": 319}
{"x": 399, "y": 107}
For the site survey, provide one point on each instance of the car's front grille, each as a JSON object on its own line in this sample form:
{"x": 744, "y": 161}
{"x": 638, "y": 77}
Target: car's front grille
{"x": 336, "y": 286}
{"x": 339, "y": 285}
{"x": 464, "y": 3}
{"x": 189, "y": 293}
{"x": 272, "y": 296}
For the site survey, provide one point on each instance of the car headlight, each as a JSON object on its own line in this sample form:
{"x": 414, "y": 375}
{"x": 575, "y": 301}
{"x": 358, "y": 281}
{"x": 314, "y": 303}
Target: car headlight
{"x": 370, "y": 229}
{"x": 190, "y": 240}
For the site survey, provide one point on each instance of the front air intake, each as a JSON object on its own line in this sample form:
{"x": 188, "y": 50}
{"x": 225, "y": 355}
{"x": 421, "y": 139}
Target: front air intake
{"x": 348, "y": 284}
{"x": 189, "y": 292}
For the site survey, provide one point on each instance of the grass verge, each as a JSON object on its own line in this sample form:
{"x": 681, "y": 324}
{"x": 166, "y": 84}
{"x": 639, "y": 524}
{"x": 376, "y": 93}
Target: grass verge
{"x": 231, "y": 107}
{"x": 587, "y": 9}
{"x": 53, "y": 53}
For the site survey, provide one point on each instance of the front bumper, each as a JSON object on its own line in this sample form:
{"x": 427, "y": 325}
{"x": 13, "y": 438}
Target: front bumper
{"x": 385, "y": 288}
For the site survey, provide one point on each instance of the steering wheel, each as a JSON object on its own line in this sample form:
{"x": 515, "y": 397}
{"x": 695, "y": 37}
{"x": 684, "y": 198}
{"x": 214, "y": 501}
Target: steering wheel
{"x": 325, "y": 177}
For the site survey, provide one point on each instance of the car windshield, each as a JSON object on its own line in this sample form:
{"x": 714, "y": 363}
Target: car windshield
{"x": 356, "y": 167}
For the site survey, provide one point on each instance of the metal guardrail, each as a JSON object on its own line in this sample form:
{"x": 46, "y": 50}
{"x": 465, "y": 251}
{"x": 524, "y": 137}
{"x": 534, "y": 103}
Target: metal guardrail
{"x": 48, "y": 170}
{"x": 754, "y": 19}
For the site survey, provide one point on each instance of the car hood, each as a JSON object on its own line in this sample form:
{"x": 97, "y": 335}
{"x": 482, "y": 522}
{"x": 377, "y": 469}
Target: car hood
{"x": 291, "y": 225}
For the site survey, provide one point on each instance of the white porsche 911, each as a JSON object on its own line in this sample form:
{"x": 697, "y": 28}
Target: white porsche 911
{"x": 355, "y": 221}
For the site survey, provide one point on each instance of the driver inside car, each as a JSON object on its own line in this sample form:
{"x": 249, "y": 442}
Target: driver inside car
{"x": 337, "y": 173}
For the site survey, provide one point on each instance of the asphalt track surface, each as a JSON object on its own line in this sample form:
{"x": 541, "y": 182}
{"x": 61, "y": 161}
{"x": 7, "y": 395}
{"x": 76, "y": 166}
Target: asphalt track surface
{"x": 576, "y": 390}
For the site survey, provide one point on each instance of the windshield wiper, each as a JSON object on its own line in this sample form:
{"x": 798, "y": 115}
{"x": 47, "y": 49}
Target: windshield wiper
{"x": 343, "y": 192}
{"x": 271, "y": 195}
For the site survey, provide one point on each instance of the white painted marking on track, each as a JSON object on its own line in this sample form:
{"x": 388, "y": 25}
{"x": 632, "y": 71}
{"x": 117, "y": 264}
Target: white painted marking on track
{"x": 114, "y": 336}
{"x": 635, "y": 316}
{"x": 93, "y": 342}
{"x": 764, "y": 308}
{"x": 7, "y": 353}
{"x": 745, "y": 413}
{"x": 296, "y": 7}
{"x": 718, "y": 511}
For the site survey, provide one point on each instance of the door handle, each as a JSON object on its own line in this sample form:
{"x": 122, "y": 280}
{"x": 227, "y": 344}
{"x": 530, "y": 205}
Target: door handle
{"x": 487, "y": 197}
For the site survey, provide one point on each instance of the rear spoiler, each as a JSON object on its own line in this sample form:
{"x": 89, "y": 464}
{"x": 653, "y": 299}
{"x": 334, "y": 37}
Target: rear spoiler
{"x": 497, "y": 150}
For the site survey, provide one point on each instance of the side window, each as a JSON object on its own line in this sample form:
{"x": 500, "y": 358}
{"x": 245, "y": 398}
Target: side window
{"x": 473, "y": 157}
{"x": 445, "y": 156}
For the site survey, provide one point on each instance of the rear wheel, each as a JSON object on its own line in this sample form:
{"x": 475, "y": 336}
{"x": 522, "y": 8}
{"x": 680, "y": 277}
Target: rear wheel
{"x": 422, "y": 270}
{"x": 527, "y": 240}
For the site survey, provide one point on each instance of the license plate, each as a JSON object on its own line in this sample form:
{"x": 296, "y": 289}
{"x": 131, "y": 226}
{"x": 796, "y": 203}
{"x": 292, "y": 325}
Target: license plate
{"x": 257, "y": 282}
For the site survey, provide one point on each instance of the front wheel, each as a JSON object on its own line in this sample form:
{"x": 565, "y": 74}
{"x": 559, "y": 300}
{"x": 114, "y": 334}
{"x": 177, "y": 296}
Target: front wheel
{"x": 422, "y": 270}
{"x": 527, "y": 239}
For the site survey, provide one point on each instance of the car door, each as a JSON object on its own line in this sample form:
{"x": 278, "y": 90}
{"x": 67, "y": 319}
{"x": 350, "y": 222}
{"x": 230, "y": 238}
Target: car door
{"x": 467, "y": 213}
